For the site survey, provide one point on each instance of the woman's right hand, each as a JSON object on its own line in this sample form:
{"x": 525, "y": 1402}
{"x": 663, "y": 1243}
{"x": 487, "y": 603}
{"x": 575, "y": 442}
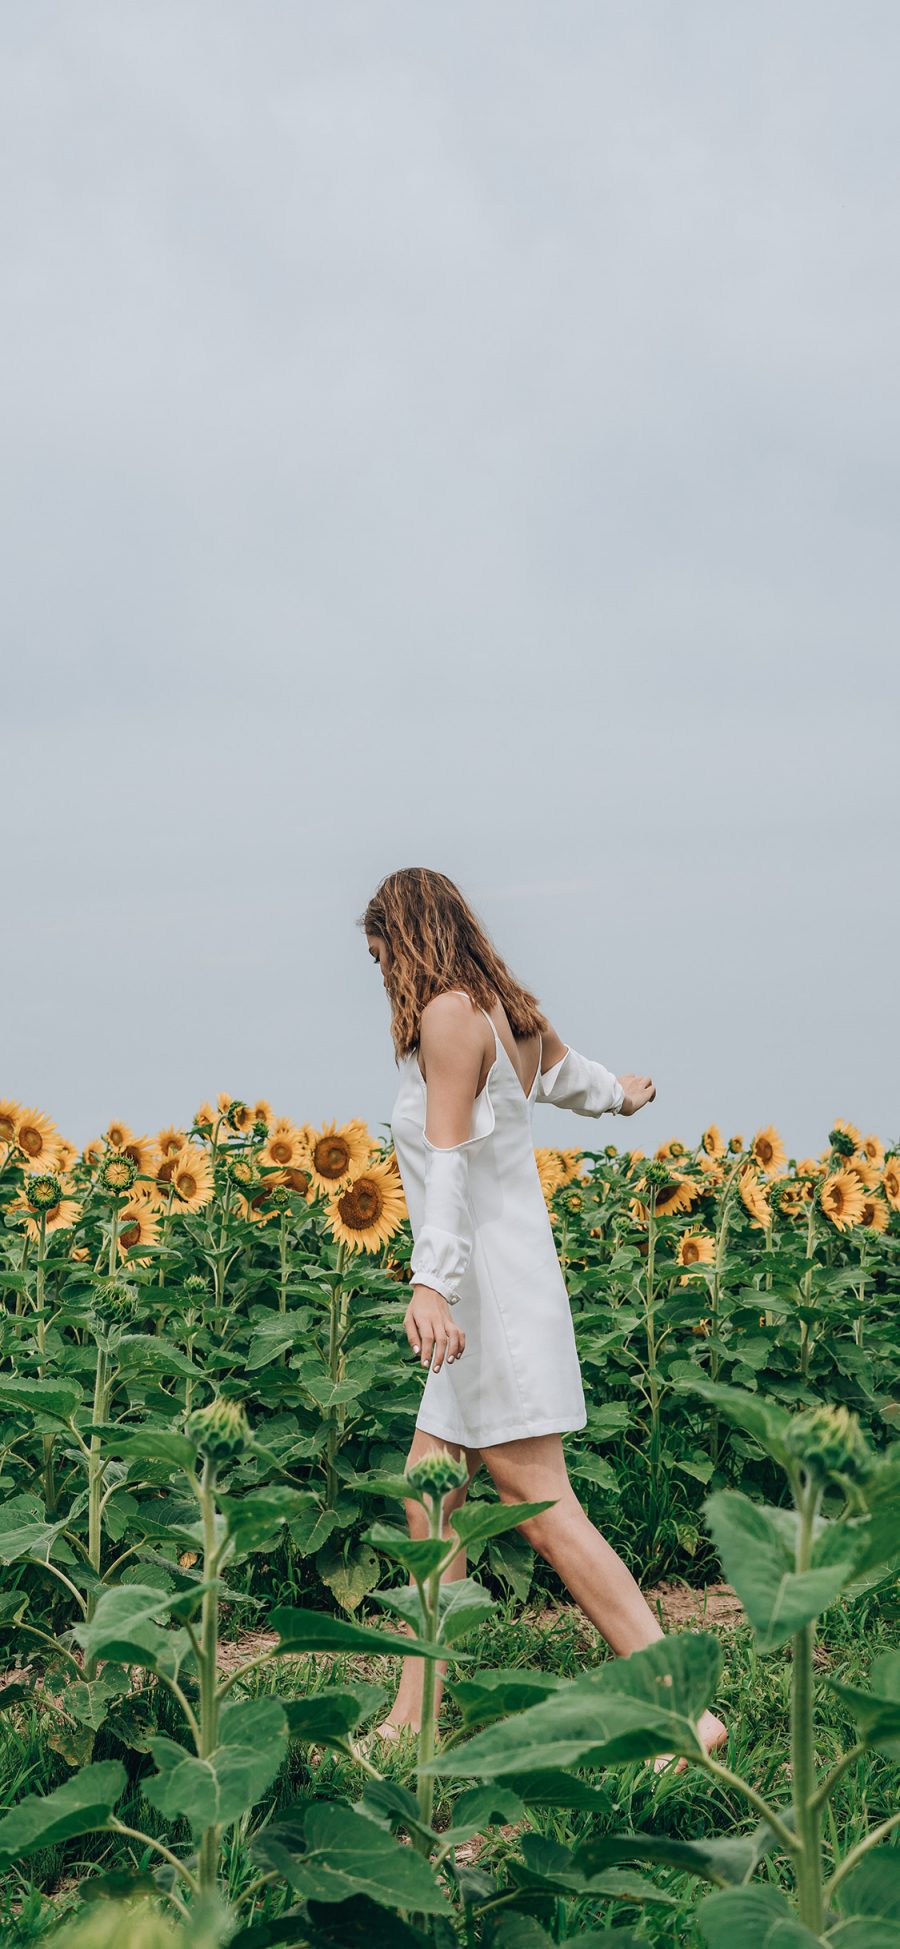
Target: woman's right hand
{"x": 638, "y": 1091}
{"x": 431, "y": 1329}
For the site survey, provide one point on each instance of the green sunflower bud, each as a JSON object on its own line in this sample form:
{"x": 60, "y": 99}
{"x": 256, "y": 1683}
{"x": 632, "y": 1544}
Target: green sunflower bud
{"x": 610, "y": 1151}
{"x": 735, "y": 1145}
{"x": 657, "y": 1174}
{"x": 195, "y": 1285}
{"x": 829, "y": 1441}
{"x": 260, "y": 1129}
{"x": 841, "y": 1143}
{"x": 240, "y": 1171}
{"x": 43, "y": 1191}
{"x": 434, "y": 1474}
{"x": 220, "y": 1430}
{"x": 280, "y": 1198}
{"x": 115, "y": 1304}
{"x": 117, "y": 1172}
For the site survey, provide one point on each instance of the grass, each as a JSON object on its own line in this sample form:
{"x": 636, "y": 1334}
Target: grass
{"x": 754, "y": 1699}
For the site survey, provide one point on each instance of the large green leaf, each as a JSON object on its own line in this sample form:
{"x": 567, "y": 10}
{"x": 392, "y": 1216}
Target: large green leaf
{"x": 254, "y": 1520}
{"x": 302, "y": 1631}
{"x": 81, "y": 1805}
{"x": 328, "y": 1717}
{"x": 476, "y": 1521}
{"x": 24, "y": 1529}
{"x": 630, "y": 1708}
{"x": 877, "y": 1711}
{"x": 725, "y": 1860}
{"x": 752, "y": 1918}
{"x": 417, "y": 1555}
{"x": 339, "y": 1853}
{"x": 125, "y": 1625}
{"x": 46, "y": 1401}
{"x": 462, "y": 1604}
{"x": 756, "y": 1560}
{"x": 869, "y": 1899}
{"x": 215, "y": 1791}
{"x": 764, "y": 1420}
{"x": 159, "y": 1445}
{"x": 493, "y": 1694}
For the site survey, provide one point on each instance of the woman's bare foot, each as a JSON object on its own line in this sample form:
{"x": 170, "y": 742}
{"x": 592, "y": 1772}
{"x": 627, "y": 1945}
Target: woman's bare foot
{"x": 711, "y": 1733}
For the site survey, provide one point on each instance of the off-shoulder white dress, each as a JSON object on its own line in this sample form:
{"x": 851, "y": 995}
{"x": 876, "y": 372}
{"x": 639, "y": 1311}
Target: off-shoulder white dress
{"x": 482, "y": 1237}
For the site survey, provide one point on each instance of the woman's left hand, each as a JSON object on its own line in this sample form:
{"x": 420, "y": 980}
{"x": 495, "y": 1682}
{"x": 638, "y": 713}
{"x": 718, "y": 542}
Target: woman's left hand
{"x": 638, "y": 1091}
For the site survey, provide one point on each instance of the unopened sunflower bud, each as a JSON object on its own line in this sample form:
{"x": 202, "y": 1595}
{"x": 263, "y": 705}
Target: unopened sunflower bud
{"x": 240, "y": 1171}
{"x": 236, "y": 1114}
{"x": 117, "y": 1172}
{"x": 115, "y": 1304}
{"x": 657, "y": 1174}
{"x": 735, "y": 1145}
{"x": 260, "y": 1129}
{"x": 829, "y": 1441}
{"x": 43, "y": 1191}
{"x": 220, "y": 1430}
{"x": 841, "y": 1142}
{"x": 195, "y": 1285}
{"x": 436, "y": 1473}
{"x": 610, "y": 1151}
{"x": 280, "y": 1198}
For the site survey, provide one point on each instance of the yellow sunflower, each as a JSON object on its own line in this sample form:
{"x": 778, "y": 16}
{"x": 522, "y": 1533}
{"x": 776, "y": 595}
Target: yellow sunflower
{"x": 550, "y": 1171}
{"x": 256, "y": 1208}
{"x": 868, "y": 1173}
{"x": 371, "y": 1209}
{"x": 710, "y": 1163}
{"x": 66, "y": 1154}
{"x": 262, "y": 1112}
{"x": 755, "y": 1198}
{"x": 573, "y": 1163}
{"x": 639, "y": 1212}
{"x": 875, "y": 1215}
{"x": 170, "y": 1141}
{"x": 679, "y": 1194}
{"x": 849, "y": 1130}
{"x": 39, "y": 1138}
{"x": 284, "y": 1148}
{"x": 871, "y": 1148}
{"x": 296, "y": 1178}
{"x": 193, "y": 1178}
{"x": 118, "y": 1135}
{"x": 768, "y": 1152}
{"x": 673, "y": 1147}
{"x": 842, "y": 1198}
{"x": 712, "y": 1141}
{"x": 735, "y": 1144}
{"x": 694, "y": 1248}
{"x": 92, "y": 1153}
{"x": 144, "y": 1154}
{"x": 10, "y": 1113}
{"x": 810, "y": 1167}
{"x": 205, "y": 1119}
{"x": 337, "y": 1153}
{"x": 138, "y": 1225}
{"x": 890, "y": 1182}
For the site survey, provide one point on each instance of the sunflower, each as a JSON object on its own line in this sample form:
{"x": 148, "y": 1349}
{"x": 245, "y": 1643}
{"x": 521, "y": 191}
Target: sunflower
{"x": 65, "y": 1155}
{"x": 842, "y": 1198}
{"x": 735, "y": 1144}
{"x": 193, "y": 1178}
{"x": 337, "y": 1152}
{"x": 239, "y": 1117}
{"x": 712, "y": 1141}
{"x": 59, "y": 1218}
{"x": 157, "y": 1188}
{"x": 371, "y": 1209}
{"x": 118, "y": 1135}
{"x": 754, "y": 1195}
{"x": 262, "y": 1111}
{"x": 694, "y": 1248}
{"x": 639, "y": 1212}
{"x": 256, "y": 1208}
{"x": 92, "y": 1153}
{"x": 711, "y": 1165}
{"x": 792, "y": 1197}
{"x": 890, "y": 1182}
{"x": 676, "y": 1194}
{"x": 571, "y": 1164}
{"x": 144, "y": 1153}
{"x": 170, "y": 1141}
{"x": 809, "y": 1167}
{"x": 847, "y": 1130}
{"x": 672, "y": 1148}
{"x": 550, "y": 1171}
{"x": 361, "y": 1129}
{"x": 871, "y": 1148}
{"x": 875, "y": 1214}
{"x": 204, "y": 1119}
{"x": 868, "y": 1173}
{"x": 39, "y": 1138}
{"x": 10, "y": 1113}
{"x": 138, "y": 1225}
{"x": 284, "y": 1148}
{"x": 296, "y": 1178}
{"x": 768, "y": 1152}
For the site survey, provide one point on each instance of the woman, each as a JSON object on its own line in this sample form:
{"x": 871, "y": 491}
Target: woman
{"x": 489, "y": 1315}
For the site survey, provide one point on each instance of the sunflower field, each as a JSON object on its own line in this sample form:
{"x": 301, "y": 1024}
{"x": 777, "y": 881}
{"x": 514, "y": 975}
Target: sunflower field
{"x": 206, "y": 1401}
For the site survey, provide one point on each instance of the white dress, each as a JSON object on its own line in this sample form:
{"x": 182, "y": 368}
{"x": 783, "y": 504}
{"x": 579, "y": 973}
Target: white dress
{"x": 482, "y": 1237}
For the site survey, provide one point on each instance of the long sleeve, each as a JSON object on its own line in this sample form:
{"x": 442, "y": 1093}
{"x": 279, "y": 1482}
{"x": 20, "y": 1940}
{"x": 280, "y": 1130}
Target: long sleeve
{"x": 443, "y": 1243}
{"x": 575, "y": 1083}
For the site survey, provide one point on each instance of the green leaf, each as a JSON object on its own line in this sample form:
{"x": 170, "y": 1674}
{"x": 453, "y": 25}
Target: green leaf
{"x": 350, "y": 1577}
{"x": 218, "y": 1790}
{"x": 150, "y": 1352}
{"x": 310, "y": 1529}
{"x": 512, "y": 1562}
{"x": 725, "y": 1860}
{"x": 877, "y": 1712}
{"x": 476, "y": 1521}
{"x": 25, "y": 1531}
{"x": 328, "y": 1717}
{"x": 159, "y": 1445}
{"x": 764, "y": 1420}
{"x": 778, "y": 1601}
{"x": 254, "y": 1520}
{"x": 124, "y": 1626}
{"x": 752, "y": 1918}
{"x": 629, "y": 1708}
{"x": 53, "y": 1401}
{"x": 461, "y": 1605}
{"x": 488, "y": 1695}
{"x": 345, "y": 1854}
{"x": 303, "y": 1631}
{"x": 417, "y": 1556}
{"x": 81, "y": 1805}
{"x": 869, "y": 1898}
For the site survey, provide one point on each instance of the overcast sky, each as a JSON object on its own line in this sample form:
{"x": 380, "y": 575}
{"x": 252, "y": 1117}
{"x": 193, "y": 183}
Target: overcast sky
{"x": 465, "y": 436}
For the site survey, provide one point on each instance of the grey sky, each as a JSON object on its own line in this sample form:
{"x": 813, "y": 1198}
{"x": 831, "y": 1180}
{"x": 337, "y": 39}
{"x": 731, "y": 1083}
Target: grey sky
{"x": 464, "y": 436}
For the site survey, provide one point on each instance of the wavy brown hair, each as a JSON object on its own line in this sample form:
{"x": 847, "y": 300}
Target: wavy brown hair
{"x": 436, "y": 943}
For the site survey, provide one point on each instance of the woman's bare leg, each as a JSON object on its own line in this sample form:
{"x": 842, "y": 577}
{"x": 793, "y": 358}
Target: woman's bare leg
{"x": 533, "y": 1470}
{"x": 407, "y": 1706}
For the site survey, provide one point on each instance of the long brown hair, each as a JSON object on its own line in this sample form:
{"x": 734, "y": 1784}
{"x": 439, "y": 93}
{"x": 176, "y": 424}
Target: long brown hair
{"x": 436, "y": 943}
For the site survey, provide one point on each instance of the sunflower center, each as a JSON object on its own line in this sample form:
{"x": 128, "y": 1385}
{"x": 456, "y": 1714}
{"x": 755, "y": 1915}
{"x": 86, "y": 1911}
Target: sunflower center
{"x": 332, "y": 1157}
{"x": 362, "y": 1205}
{"x": 131, "y": 1235}
{"x": 282, "y": 1150}
{"x": 31, "y": 1140}
{"x": 690, "y": 1252}
{"x": 765, "y": 1151}
{"x": 186, "y": 1185}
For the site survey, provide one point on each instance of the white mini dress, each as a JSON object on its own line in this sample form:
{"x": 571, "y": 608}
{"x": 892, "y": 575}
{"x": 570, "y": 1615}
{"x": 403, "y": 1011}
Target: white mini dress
{"x": 482, "y": 1236}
